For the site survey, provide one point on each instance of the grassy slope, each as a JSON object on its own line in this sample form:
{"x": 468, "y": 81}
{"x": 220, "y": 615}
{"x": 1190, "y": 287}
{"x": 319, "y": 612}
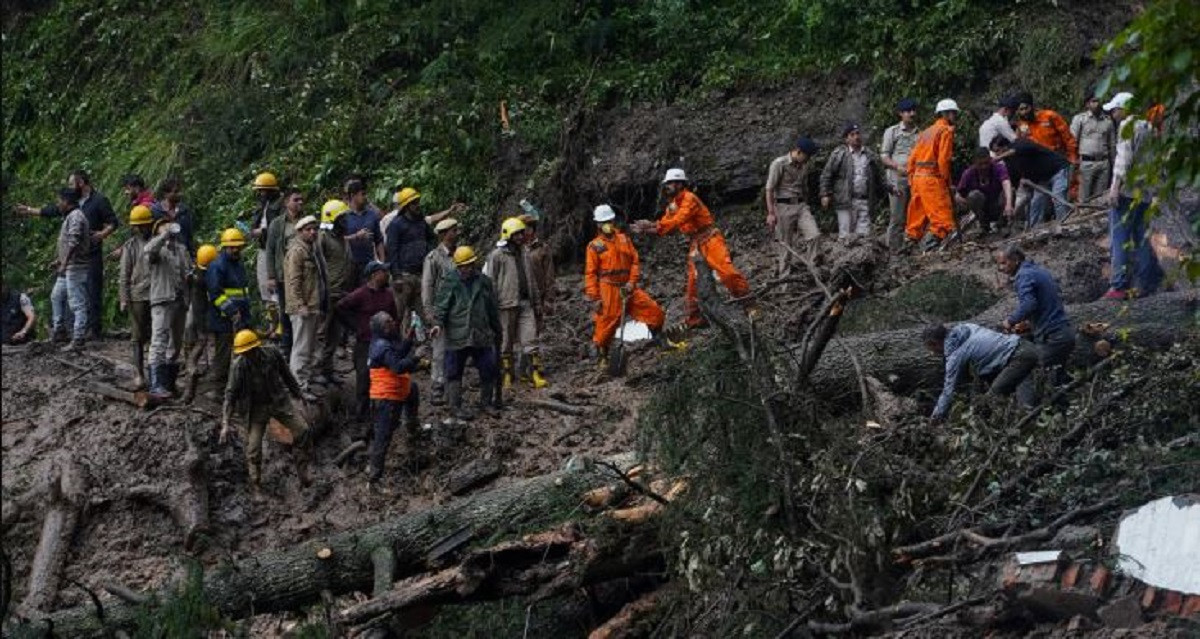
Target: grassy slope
{"x": 315, "y": 90}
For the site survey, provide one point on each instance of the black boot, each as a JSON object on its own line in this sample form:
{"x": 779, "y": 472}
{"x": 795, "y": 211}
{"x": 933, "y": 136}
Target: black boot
{"x": 172, "y": 373}
{"x": 158, "y": 389}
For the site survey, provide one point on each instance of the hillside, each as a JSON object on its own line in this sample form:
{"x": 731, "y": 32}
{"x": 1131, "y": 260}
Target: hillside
{"x": 772, "y": 495}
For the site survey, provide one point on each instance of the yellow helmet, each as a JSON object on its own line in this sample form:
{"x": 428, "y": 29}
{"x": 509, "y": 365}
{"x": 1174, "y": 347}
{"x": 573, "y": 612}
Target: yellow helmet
{"x": 332, "y": 210}
{"x": 140, "y": 214}
{"x": 232, "y": 237}
{"x": 510, "y": 226}
{"x": 464, "y": 255}
{"x": 405, "y": 196}
{"x": 205, "y": 255}
{"x": 245, "y": 340}
{"x": 265, "y": 180}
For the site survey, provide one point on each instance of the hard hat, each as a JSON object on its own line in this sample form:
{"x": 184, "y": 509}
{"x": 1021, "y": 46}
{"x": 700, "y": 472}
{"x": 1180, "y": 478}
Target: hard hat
{"x": 265, "y": 181}
{"x": 245, "y": 340}
{"x": 140, "y": 214}
{"x": 1119, "y": 101}
{"x": 464, "y": 255}
{"x": 675, "y": 175}
{"x": 232, "y": 237}
{"x": 405, "y": 196}
{"x": 445, "y": 225}
{"x": 332, "y": 209}
{"x": 510, "y": 226}
{"x": 307, "y": 220}
{"x": 205, "y": 255}
{"x": 604, "y": 213}
{"x": 946, "y": 105}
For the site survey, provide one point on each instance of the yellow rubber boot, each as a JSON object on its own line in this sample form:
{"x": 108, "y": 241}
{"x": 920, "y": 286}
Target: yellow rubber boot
{"x": 506, "y": 367}
{"x": 538, "y": 380}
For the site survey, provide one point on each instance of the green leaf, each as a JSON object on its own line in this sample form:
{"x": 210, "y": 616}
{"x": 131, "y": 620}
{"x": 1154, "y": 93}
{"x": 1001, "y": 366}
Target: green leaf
{"x": 1181, "y": 60}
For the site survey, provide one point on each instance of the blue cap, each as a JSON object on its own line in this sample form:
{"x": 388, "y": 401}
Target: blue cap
{"x": 373, "y": 266}
{"x": 806, "y": 145}
{"x": 850, "y": 127}
{"x": 907, "y": 104}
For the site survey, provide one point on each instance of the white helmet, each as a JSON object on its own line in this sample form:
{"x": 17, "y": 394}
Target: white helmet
{"x": 675, "y": 175}
{"x": 946, "y": 105}
{"x": 604, "y": 213}
{"x": 1119, "y": 101}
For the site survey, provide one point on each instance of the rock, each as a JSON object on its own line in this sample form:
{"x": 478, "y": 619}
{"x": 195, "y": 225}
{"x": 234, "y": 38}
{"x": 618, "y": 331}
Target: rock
{"x": 1125, "y": 612}
{"x": 1075, "y": 536}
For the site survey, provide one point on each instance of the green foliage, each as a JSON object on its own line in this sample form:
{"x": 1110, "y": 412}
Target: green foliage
{"x": 1156, "y": 59}
{"x": 184, "y": 614}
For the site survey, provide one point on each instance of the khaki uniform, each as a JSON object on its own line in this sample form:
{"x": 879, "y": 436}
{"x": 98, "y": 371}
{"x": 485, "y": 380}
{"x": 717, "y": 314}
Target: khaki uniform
{"x": 517, "y": 296}
{"x": 1097, "y": 149}
{"x": 437, "y": 266}
{"x": 169, "y": 265}
{"x": 338, "y": 272}
{"x": 793, "y": 217}
{"x": 133, "y": 288}
{"x": 259, "y": 387}
{"x": 898, "y": 143}
{"x": 307, "y": 302}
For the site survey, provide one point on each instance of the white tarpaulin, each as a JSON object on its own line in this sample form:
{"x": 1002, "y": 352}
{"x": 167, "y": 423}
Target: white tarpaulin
{"x": 1159, "y": 544}
{"x": 633, "y": 331}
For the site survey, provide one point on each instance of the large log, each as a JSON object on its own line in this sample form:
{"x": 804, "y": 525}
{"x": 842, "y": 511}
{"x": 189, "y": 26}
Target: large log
{"x": 67, "y": 494}
{"x": 900, "y": 360}
{"x": 292, "y": 578}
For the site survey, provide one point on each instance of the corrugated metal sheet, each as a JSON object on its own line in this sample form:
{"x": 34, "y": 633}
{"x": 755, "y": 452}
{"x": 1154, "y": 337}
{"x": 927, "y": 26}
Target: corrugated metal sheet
{"x": 1159, "y": 543}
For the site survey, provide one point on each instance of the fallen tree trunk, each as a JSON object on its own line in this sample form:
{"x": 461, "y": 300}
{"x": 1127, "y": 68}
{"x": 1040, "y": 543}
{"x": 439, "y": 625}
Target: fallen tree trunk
{"x": 902, "y": 363}
{"x": 292, "y": 578}
{"x": 67, "y": 494}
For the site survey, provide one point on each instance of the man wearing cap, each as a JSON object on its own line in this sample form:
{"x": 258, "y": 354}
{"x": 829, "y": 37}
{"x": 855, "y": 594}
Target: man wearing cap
{"x": 280, "y": 234}
{"x": 610, "y": 280}
{"x": 133, "y": 288}
{"x": 898, "y": 142}
{"x": 930, "y": 207}
{"x": 169, "y": 266}
{"x": 1129, "y": 234}
{"x": 356, "y": 309}
{"x": 1049, "y": 129}
{"x": 851, "y": 182}
{"x": 437, "y": 265}
{"x": 307, "y": 300}
{"x": 409, "y": 239}
{"x": 787, "y": 198}
{"x": 687, "y": 214}
{"x": 1097, "y": 147}
{"x": 999, "y": 124}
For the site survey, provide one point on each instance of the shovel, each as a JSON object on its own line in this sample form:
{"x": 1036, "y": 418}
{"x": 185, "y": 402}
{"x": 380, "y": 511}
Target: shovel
{"x": 617, "y": 358}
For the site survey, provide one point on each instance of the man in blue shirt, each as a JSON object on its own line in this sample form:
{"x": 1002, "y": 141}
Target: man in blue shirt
{"x": 362, "y": 230}
{"x": 1039, "y": 311}
{"x": 1006, "y": 360}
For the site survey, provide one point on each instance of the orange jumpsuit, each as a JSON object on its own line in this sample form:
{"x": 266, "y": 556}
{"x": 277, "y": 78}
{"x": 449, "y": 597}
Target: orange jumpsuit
{"x": 688, "y": 215}
{"x": 929, "y": 181}
{"x": 1050, "y": 130}
{"x": 612, "y": 261}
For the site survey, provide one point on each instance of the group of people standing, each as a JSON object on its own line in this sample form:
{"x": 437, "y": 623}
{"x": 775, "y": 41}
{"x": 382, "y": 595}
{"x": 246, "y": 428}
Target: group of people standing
{"x": 1024, "y": 166}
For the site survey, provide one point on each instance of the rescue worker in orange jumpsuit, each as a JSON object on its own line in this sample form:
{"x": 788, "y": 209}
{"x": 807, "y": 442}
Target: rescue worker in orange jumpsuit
{"x": 611, "y": 281}
{"x": 1049, "y": 129}
{"x": 930, "y": 179}
{"x": 687, "y": 214}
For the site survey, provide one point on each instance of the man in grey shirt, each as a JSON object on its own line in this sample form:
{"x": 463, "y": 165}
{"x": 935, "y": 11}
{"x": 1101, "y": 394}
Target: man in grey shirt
{"x": 70, "y": 293}
{"x": 1097, "y": 147}
{"x": 999, "y": 123}
{"x": 1004, "y": 360}
{"x": 787, "y": 195}
{"x": 898, "y": 141}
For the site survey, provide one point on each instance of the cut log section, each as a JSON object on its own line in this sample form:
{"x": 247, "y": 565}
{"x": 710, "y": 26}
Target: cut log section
{"x": 292, "y": 578}
{"x": 474, "y": 473}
